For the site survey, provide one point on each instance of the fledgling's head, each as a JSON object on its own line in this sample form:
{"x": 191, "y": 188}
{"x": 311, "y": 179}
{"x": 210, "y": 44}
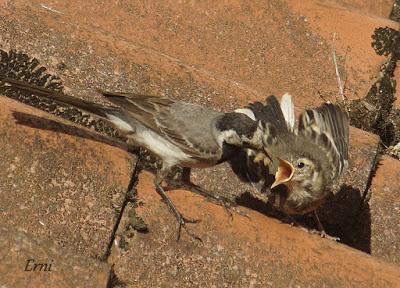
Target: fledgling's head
{"x": 301, "y": 180}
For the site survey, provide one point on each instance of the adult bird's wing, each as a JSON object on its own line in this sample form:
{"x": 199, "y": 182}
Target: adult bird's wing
{"x": 185, "y": 125}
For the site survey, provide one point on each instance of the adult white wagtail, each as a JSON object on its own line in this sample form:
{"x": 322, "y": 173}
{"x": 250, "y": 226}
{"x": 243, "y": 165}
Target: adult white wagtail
{"x": 305, "y": 160}
{"x": 178, "y": 133}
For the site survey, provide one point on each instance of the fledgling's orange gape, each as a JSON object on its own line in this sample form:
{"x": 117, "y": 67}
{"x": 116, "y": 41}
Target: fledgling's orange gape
{"x": 284, "y": 173}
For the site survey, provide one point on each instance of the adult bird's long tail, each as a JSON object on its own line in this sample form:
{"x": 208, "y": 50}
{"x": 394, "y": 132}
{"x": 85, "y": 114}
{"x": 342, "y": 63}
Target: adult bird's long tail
{"x": 87, "y": 106}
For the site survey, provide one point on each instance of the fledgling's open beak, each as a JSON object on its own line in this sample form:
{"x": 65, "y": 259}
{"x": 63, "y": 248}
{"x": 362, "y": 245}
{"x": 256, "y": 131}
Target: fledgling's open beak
{"x": 284, "y": 174}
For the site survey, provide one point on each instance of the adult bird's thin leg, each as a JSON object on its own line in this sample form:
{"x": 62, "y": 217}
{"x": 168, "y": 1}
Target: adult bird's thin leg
{"x": 188, "y": 185}
{"x": 181, "y": 220}
{"x": 197, "y": 189}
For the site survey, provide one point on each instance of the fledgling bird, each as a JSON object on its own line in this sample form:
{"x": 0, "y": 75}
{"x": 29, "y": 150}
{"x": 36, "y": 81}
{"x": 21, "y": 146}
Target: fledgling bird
{"x": 305, "y": 160}
{"x": 179, "y": 133}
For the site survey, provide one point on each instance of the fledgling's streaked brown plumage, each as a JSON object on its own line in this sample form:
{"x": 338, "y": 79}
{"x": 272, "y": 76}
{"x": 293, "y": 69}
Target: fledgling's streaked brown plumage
{"x": 305, "y": 160}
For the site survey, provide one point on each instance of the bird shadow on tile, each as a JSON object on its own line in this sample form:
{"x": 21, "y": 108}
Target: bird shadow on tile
{"x": 42, "y": 123}
{"x": 149, "y": 162}
{"x": 344, "y": 215}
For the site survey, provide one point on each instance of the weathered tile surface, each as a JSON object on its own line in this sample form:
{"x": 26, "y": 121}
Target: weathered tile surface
{"x": 57, "y": 186}
{"x": 214, "y": 53}
{"x": 385, "y": 210}
{"x": 61, "y": 268}
{"x": 253, "y": 251}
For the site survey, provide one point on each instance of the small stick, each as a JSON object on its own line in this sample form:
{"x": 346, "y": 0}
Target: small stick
{"x": 50, "y": 9}
{"x": 336, "y": 67}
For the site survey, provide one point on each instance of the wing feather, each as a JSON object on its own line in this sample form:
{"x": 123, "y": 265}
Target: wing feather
{"x": 287, "y": 107}
{"x": 270, "y": 112}
{"x": 160, "y": 115}
{"x": 328, "y": 126}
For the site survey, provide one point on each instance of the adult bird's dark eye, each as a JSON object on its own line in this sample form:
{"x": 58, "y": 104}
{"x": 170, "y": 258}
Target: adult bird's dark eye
{"x": 300, "y": 165}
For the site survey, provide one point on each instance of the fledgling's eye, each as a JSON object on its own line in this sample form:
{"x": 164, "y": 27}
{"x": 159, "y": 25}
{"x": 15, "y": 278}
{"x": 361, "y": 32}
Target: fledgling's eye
{"x": 300, "y": 165}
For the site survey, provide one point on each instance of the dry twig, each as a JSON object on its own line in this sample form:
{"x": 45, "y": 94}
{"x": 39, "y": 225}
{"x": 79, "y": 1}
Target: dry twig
{"x": 341, "y": 90}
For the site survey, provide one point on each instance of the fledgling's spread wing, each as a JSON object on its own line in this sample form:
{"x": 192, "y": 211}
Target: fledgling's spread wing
{"x": 328, "y": 127}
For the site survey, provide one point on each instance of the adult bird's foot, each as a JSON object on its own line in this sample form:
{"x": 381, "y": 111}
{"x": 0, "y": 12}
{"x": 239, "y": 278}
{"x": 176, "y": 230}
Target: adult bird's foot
{"x": 181, "y": 223}
{"x": 216, "y": 199}
{"x": 180, "y": 219}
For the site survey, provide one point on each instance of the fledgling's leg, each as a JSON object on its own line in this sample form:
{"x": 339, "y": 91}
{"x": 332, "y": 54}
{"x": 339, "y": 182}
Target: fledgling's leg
{"x": 321, "y": 229}
{"x": 319, "y": 224}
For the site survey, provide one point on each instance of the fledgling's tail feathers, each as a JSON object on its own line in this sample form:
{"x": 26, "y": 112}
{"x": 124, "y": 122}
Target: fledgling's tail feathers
{"x": 87, "y": 106}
